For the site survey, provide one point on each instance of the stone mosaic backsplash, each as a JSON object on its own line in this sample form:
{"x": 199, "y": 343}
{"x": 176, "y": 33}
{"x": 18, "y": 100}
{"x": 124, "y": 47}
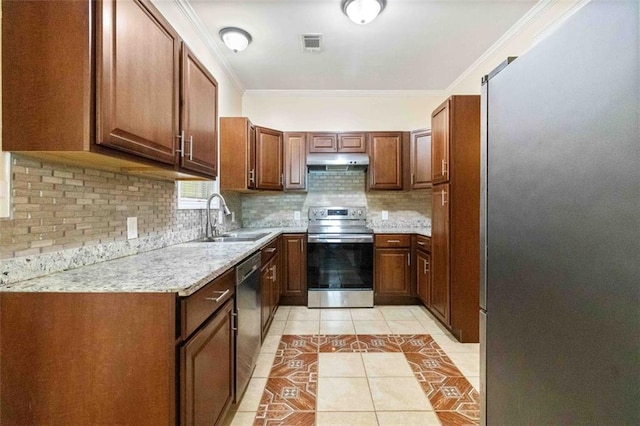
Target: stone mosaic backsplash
{"x": 64, "y": 217}
{"x": 405, "y": 208}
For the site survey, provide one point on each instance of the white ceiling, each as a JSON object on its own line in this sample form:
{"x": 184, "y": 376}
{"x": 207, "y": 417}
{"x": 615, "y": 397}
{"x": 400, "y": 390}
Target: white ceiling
{"x": 419, "y": 45}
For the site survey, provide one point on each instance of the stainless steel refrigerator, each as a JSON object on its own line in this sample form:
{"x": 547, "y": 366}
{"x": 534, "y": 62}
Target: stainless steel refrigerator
{"x": 560, "y": 226}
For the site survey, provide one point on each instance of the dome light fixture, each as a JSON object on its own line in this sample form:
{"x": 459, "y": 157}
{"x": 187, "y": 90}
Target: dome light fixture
{"x": 235, "y": 39}
{"x": 363, "y": 11}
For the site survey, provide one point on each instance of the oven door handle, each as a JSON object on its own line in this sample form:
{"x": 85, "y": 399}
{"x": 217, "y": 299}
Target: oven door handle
{"x": 340, "y": 240}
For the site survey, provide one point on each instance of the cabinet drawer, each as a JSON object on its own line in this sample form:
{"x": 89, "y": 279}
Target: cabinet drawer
{"x": 393, "y": 240}
{"x": 196, "y": 308}
{"x": 269, "y": 251}
{"x": 423, "y": 243}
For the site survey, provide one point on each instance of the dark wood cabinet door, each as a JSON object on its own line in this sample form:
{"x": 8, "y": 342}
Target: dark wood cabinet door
{"x": 295, "y": 161}
{"x": 352, "y": 142}
{"x": 268, "y": 159}
{"x": 294, "y": 284}
{"x": 440, "y": 143}
{"x": 137, "y": 58}
{"x": 323, "y": 142}
{"x": 199, "y": 117}
{"x": 392, "y": 272}
{"x": 385, "y": 168}
{"x": 421, "y": 159}
{"x": 423, "y": 276}
{"x": 207, "y": 371}
{"x": 266, "y": 283}
{"x": 440, "y": 294}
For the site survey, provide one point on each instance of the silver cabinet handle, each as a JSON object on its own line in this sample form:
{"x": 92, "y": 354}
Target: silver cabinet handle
{"x": 219, "y": 298}
{"x": 444, "y": 167}
{"x": 181, "y": 137}
{"x": 408, "y": 259}
{"x": 270, "y": 249}
{"x": 420, "y": 243}
{"x": 234, "y": 321}
{"x": 273, "y": 273}
{"x": 443, "y": 194}
{"x": 191, "y": 148}
{"x": 394, "y": 241}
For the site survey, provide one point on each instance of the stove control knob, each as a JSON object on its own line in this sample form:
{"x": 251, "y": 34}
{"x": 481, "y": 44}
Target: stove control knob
{"x": 353, "y": 212}
{"x": 359, "y": 212}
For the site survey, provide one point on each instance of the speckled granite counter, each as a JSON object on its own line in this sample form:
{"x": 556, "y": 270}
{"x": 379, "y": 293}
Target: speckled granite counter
{"x": 182, "y": 269}
{"x": 424, "y": 231}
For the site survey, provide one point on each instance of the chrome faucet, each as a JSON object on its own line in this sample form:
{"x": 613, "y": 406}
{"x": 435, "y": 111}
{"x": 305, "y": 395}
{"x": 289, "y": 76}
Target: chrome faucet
{"x": 212, "y": 225}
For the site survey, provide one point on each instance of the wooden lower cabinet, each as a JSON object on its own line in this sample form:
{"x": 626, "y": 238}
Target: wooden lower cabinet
{"x": 117, "y": 358}
{"x": 440, "y": 296}
{"x": 294, "y": 280}
{"x": 269, "y": 283}
{"x": 423, "y": 277}
{"x": 392, "y": 269}
{"x": 207, "y": 371}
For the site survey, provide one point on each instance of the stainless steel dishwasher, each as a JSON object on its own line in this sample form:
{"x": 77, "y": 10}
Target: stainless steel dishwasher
{"x": 248, "y": 321}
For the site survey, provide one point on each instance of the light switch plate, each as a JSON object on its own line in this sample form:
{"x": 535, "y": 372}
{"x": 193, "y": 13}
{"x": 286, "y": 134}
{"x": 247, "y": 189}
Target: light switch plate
{"x": 385, "y": 215}
{"x": 296, "y": 215}
{"x": 132, "y": 228}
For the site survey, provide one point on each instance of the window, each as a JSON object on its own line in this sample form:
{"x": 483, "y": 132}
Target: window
{"x": 193, "y": 194}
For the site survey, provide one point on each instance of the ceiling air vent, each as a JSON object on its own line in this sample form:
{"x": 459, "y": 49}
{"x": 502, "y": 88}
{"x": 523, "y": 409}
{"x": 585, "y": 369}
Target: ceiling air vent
{"x": 311, "y": 42}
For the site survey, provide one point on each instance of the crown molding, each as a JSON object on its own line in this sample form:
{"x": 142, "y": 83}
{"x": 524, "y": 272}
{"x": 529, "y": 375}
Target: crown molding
{"x": 531, "y": 16}
{"x": 345, "y": 93}
{"x": 191, "y": 15}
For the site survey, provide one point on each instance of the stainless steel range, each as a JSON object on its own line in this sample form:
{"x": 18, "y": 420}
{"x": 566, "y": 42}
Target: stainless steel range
{"x": 339, "y": 258}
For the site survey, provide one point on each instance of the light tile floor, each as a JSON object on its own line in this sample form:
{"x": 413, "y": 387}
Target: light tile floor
{"x": 361, "y": 388}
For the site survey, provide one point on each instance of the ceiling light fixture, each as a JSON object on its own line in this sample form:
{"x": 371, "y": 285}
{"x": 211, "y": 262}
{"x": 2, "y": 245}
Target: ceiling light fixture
{"x": 236, "y": 39}
{"x": 363, "y": 11}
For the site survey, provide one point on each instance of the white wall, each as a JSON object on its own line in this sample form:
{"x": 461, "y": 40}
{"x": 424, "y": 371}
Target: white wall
{"x": 340, "y": 112}
{"x": 345, "y": 111}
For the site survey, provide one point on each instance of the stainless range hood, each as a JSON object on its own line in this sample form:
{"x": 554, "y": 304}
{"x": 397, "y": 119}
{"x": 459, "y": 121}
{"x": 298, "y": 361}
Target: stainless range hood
{"x": 338, "y": 162}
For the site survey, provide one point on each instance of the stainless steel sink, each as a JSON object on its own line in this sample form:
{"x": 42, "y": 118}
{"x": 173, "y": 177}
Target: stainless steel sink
{"x": 234, "y": 237}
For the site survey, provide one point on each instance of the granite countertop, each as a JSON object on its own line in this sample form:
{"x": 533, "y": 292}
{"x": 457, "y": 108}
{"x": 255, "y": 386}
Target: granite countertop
{"x": 182, "y": 269}
{"x": 424, "y": 231}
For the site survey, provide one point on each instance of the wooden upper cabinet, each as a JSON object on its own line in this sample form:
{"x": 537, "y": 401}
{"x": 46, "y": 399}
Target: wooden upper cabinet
{"x": 137, "y": 80}
{"x": 421, "y": 159}
{"x": 323, "y": 142}
{"x": 385, "y": 160}
{"x": 440, "y": 136}
{"x": 295, "y": 161}
{"x": 337, "y": 142}
{"x": 237, "y": 153}
{"x": 269, "y": 155}
{"x": 352, "y": 142}
{"x": 198, "y": 123}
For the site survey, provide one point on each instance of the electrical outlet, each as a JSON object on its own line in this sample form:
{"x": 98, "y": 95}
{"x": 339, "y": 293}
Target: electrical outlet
{"x": 132, "y": 228}
{"x": 385, "y": 215}
{"x": 296, "y": 215}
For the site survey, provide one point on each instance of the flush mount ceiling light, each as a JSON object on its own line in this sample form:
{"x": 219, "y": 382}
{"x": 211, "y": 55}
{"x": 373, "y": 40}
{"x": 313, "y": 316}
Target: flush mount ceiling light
{"x": 236, "y": 39}
{"x": 363, "y": 11}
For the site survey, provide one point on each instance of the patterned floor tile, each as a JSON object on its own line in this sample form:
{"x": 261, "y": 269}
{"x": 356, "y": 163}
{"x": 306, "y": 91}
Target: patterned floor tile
{"x": 287, "y": 365}
{"x": 289, "y": 418}
{"x": 300, "y": 344}
{"x": 459, "y": 418}
{"x": 337, "y": 343}
{"x": 455, "y": 394}
{"x": 377, "y": 343}
{"x": 431, "y": 368}
{"x": 289, "y": 394}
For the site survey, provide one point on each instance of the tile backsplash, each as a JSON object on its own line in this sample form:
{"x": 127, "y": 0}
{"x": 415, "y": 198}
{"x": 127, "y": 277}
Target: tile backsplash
{"x": 64, "y": 216}
{"x": 406, "y": 208}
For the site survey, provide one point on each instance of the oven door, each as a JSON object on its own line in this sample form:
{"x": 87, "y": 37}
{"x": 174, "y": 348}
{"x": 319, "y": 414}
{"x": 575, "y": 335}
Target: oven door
{"x": 340, "y": 270}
